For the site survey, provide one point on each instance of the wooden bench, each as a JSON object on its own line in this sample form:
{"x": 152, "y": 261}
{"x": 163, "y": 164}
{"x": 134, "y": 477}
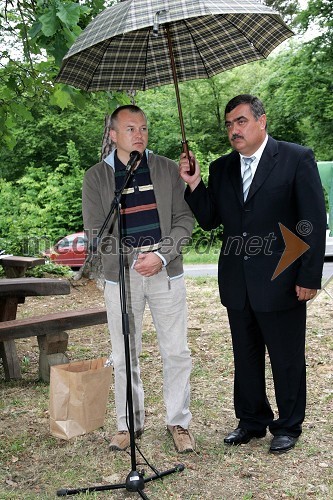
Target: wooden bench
{"x": 51, "y": 332}
{"x": 14, "y": 292}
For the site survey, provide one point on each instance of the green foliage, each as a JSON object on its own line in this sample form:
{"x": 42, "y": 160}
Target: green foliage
{"x": 41, "y": 206}
{"x": 299, "y": 98}
{"x": 318, "y": 12}
{"x": 13, "y": 111}
{"x": 204, "y": 240}
{"x": 205, "y": 251}
{"x": 37, "y": 35}
{"x": 52, "y": 133}
{"x": 286, "y": 8}
{"x": 203, "y": 103}
{"x": 40, "y": 141}
{"x": 160, "y": 107}
{"x": 49, "y": 269}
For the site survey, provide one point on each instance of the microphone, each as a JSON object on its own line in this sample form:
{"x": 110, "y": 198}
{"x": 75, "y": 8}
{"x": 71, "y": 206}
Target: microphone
{"x": 135, "y": 156}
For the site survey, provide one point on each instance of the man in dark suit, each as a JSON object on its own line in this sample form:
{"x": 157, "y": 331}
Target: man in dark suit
{"x": 266, "y": 194}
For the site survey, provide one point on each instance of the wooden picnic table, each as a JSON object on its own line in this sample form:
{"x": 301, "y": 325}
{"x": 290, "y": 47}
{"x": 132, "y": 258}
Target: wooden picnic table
{"x": 16, "y": 266}
{"x": 13, "y": 291}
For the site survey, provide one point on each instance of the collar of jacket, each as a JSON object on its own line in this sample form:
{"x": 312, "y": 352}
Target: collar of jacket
{"x": 110, "y": 158}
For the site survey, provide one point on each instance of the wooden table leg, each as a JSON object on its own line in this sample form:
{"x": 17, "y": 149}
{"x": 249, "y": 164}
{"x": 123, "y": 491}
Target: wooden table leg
{"x": 8, "y": 353}
{"x": 14, "y": 271}
{"x": 52, "y": 351}
{"x": 10, "y": 360}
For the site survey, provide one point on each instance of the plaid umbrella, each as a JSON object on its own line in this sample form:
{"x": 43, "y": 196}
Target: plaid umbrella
{"x": 140, "y": 44}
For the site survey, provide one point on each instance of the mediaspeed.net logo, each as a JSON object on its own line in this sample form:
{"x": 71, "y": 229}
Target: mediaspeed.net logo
{"x": 294, "y": 246}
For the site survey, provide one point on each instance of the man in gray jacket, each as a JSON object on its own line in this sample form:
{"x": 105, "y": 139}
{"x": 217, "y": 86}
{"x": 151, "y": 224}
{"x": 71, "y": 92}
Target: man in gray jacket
{"x": 156, "y": 223}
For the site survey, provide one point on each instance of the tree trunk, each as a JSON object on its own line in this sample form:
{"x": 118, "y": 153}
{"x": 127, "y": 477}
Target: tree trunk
{"x": 107, "y": 144}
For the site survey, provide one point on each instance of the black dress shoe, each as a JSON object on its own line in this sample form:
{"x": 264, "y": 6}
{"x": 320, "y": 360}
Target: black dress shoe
{"x": 242, "y": 436}
{"x": 281, "y": 444}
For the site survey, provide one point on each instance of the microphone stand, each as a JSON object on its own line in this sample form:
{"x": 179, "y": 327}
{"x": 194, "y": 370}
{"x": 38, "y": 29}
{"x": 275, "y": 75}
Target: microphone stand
{"x": 135, "y": 481}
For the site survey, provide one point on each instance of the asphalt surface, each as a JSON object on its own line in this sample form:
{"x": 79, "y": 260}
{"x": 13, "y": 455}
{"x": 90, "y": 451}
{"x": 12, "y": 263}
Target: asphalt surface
{"x": 211, "y": 269}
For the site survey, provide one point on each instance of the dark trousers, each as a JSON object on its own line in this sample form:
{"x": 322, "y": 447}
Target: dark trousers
{"x": 283, "y": 333}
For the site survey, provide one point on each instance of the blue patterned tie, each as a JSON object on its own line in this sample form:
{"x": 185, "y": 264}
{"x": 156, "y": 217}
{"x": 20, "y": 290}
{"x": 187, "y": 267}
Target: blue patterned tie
{"x": 247, "y": 176}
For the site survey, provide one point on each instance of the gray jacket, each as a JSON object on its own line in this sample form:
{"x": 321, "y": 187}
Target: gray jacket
{"x": 176, "y": 219}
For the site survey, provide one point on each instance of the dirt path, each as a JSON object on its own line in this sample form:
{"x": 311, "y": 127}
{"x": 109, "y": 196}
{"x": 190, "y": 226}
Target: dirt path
{"x": 33, "y": 464}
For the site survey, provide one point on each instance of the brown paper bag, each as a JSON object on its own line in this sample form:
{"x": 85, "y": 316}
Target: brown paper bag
{"x": 78, "y": 397}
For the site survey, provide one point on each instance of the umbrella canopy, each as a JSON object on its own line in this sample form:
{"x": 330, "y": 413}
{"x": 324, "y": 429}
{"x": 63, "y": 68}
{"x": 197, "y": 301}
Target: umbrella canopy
{"x": 126, "y": 46}
{"x": 140, "y": 44}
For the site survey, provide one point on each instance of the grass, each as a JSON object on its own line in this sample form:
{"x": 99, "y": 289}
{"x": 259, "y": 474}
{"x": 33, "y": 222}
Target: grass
{"x": 34, "y": 464}
{"x": 201, "y": 255}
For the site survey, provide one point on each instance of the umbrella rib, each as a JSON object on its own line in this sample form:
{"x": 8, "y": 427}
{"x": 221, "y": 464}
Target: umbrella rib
{"x": 196, "y": 46}
{"x": 246, "y": 36}
{"x": 97, "y": 65}
{"x": 146, "y": 60}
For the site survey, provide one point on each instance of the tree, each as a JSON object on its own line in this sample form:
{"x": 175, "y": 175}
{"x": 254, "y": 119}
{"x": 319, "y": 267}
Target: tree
{"x": 42, "y": 206}
{"x": 287, "y": 9}
{"x": 41, "y": 139}
{"x": 299, "y": 94}
{"x": 39, "y": 119}
{"x": 299, "y": 100}
{"x": 37, "y": 34}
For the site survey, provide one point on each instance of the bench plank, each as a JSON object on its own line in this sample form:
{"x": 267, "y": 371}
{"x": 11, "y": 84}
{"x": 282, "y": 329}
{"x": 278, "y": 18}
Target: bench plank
{"x": 56, "y": 322}
{"x": 24, "y": 287}
{"x": 50, "y": 331}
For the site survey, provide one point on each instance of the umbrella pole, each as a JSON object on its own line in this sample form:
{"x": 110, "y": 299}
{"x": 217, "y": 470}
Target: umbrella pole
{"x": 180, "y": 112}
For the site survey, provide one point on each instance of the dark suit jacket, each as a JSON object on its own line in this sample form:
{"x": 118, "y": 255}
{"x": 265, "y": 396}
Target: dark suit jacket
{"x": 286, "y": 189}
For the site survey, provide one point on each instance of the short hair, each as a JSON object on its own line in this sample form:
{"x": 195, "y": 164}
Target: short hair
{"x": 127, "y": 107}
{"x": 257, "y": 107}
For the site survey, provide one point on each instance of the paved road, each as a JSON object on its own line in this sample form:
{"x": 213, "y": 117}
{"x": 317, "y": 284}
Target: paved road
{"x": 211, "y": 269}
{"x": 328, "y": 269}
{"x": 200, "y": 270}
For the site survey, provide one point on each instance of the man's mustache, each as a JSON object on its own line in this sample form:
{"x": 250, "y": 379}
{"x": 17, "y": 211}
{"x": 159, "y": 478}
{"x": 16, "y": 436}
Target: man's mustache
{"x": 236, "y": 136}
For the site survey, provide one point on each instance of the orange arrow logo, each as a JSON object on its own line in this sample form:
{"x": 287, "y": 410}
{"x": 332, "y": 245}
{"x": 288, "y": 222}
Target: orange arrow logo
{"x": 295, "y": 247}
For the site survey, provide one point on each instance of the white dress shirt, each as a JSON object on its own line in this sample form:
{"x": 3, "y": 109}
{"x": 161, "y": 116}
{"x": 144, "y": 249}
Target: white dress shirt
{"x": 256, "y": 156}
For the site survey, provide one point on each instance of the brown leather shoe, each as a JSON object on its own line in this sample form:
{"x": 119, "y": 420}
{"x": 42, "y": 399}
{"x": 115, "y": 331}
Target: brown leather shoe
{"x": 121, "y": 440}
{"x": 182, "y": 438}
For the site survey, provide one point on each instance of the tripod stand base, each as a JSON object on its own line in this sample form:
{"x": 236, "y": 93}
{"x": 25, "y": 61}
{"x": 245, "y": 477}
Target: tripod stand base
{"x": 134, "y": 482}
